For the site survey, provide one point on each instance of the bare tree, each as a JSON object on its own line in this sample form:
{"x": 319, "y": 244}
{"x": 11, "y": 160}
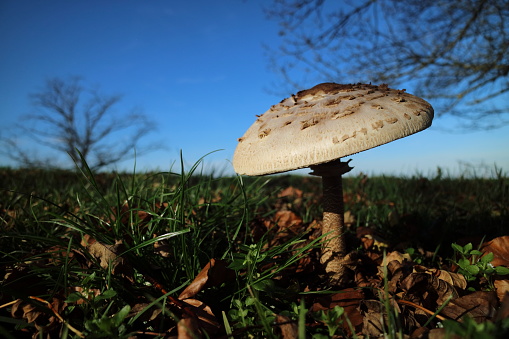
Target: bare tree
{"x": 453, "y": 52}
{"x": 74, "y": 120}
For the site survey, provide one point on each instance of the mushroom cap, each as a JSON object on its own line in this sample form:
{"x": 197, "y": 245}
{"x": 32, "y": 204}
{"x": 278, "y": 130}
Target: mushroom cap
{"x": 327, "y": 122}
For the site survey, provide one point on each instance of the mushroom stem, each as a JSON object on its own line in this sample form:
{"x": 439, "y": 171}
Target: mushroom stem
{"x": 334, "y": 246}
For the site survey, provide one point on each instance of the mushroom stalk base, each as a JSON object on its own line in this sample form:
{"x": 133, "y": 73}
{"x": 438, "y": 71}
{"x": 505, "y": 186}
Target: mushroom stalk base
{"x": 334, "y": 247}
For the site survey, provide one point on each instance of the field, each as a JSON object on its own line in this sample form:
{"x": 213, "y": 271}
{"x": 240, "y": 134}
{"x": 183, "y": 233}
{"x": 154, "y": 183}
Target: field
{"x": 160, "y": 255}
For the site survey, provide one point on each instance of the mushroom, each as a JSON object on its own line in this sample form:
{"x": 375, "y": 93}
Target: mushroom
{"x": 318, "y": 126}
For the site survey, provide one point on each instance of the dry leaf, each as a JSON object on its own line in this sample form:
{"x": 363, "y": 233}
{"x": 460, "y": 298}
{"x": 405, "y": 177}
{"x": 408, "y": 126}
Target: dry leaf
{"x": 258, "y": 227}
{"x": 284, "y": 225}
{"x": 479, "y": 305}
{"x": 214, "y": 273}
{"x": 32, "y": 314}
{"x": 288, "y": 328}
{"x": 108, "y": 256}
{"x": 503, "y": 310}
{"x": 421, "y": 285}
{"x": 125, "y": 215}
{"x": 502, "y": 288}
{"x": 454, "y": 279}
{"x": 370, "y": 239}
{"x": 154, "y": 312}
{"x": 349, "y": 299}
{"x": 290, "y": 192}
{"x": 440, "y": 333}
{"x": 88, "y": 293}
{"x": 398, "y": 271}
{"x": 188, "y": 329}
{"x": 207, "y": 200}
{"x": 206, "y": 319}
{"x": 288, "y": 220}
{"x": 500, "y": 249}
{"x": 349, "y": 219}
{"x": 373, "y": 318}
{"x": 24, "y": 310}
{"x": 306, "y": 263}
{"x": 8, "y": 218}
{"x": 162, "y": 247}
{"x": 398, "y": 256}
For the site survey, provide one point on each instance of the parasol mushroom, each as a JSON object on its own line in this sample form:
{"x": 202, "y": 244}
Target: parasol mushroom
{"x": 318, "y": 126}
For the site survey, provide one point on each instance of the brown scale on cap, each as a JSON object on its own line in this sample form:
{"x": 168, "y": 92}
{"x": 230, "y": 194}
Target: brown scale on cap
{"x": 326, "y": 87}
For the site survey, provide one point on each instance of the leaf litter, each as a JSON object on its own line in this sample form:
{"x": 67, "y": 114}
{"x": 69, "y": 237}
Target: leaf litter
{"x": 387, "y": 280}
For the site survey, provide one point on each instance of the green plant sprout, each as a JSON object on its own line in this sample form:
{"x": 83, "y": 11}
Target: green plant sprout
{"x": 474, "y": 264}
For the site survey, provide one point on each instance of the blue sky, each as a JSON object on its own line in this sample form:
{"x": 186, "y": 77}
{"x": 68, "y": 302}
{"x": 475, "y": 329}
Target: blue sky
{"x": 199, "y": 70}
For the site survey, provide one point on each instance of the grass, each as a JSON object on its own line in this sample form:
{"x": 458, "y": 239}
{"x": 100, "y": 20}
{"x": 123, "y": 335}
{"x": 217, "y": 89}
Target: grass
{"x": 155, "y": 254}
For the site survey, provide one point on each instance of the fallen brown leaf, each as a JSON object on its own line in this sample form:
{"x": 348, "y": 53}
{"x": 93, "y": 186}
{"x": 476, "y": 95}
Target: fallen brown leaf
{"x": 288, "y": 328}
{"x": 398, "y": 256}
{"x": 374, "y": 318}
{"x": 148, "y": 315}
{"x": 480, "y": 305}
{"x": 349, "y": 219}
{"x": 454, "y": 279}
{"x": 502, "y": 288}
{"x": 425, "y": 286}
{"x": 290, "y": 191}
{"x": 33, "y": 314}
{"x": 8, "y": 218}
{"x": 25, "y": 310}
{"x": 87, "y": 294}
{"x": 288, "y": 220}
{"x": 188, "y": 329}
{"x": 349, "y": 299}
{"x": 109, "y": 256}
{"x": 370, "y": 238}
{"x": 283, "y": 225}
{"x": 398, "y": 270}
{"x": 206, "y": 320}
{"x": 125, "y": 215}
{"x": 500, "y": 249}
{"x": 503, "y": 310}
{"x": 162, "y": 247}
{"x": 214, "y": 273}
